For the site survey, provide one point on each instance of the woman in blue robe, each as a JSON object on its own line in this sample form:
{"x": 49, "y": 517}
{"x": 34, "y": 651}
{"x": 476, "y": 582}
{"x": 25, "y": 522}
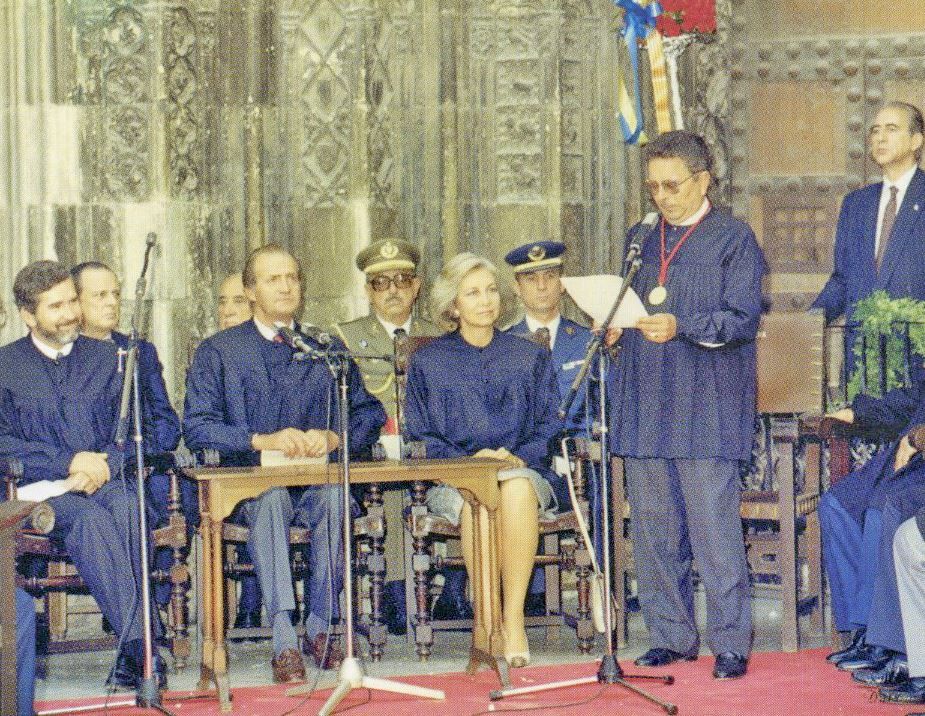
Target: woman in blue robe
{"x": 479, "y": 392}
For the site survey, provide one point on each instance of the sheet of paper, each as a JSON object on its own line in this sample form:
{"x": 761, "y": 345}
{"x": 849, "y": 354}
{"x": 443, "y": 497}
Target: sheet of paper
{"x": 275, "y": 458}
{"x": 595, "y": 295}
{"x": 41, "y": 490}
{"x": 392, "y": 446}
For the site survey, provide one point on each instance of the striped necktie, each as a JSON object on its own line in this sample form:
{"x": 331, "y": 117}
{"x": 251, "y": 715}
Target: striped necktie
{"x": 886, "y": 228}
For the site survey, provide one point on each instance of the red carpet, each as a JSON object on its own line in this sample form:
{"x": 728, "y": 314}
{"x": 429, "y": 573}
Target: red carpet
{"x": 777, "y": 684}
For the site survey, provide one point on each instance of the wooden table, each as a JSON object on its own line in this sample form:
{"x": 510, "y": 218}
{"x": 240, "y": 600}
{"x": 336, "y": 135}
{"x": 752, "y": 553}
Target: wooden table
{"x": 221, "y": 489}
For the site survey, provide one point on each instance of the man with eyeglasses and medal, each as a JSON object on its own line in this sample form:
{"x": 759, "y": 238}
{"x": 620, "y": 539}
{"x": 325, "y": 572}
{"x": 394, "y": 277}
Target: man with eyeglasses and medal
{"x": 392, "y": 288}
{"x": 683, "y": 409}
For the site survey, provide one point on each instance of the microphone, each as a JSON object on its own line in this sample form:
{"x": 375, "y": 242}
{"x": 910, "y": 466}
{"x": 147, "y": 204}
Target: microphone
{"x": 635, "y": 247}
{"x": 295, "y": 340}
{"x": 151, "y": 240}
{"x": 323, "y": 338}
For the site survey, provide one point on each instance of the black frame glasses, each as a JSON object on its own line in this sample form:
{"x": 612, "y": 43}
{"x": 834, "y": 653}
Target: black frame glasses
{"x": 381, "y": 282}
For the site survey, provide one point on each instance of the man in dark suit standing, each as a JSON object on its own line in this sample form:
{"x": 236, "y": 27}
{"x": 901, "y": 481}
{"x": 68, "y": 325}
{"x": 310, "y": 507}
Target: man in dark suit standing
{"x": 880, "y": 237}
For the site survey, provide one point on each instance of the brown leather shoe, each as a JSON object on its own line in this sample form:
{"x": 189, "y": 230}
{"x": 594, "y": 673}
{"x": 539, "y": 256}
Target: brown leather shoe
{"x": 315, "y": 648}
{"x": 288, "y": 667}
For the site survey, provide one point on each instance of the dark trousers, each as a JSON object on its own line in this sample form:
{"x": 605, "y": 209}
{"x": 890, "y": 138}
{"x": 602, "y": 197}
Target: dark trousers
{"x": 681, "y": 510}
{"x": 25, "y": 653}
{"x": 100, "y": 533}
{"x": 884, "y": 627}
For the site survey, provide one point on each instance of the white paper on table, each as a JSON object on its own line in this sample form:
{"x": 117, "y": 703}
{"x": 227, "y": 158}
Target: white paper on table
{"x": 41, "y": 490}
{"x": 595, "y": 296}
{"x": 392, "y": 446}
{"x": 276, "y": 458}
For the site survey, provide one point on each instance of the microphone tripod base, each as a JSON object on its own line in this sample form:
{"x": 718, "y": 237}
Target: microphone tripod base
{"x": 609, "y": 672}
{"x": 148, "y": 696}
{"x": 351, "y": 676}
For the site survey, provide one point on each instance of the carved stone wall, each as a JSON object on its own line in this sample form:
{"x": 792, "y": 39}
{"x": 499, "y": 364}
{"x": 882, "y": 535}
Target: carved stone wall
{"x": 318, "y": 124}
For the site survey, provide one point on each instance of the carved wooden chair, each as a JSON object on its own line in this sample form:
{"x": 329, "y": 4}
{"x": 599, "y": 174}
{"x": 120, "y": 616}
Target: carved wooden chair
{"x": 61, "y": 579}
{"x": 561, "y": 551}
{"x": 234, "y": 535}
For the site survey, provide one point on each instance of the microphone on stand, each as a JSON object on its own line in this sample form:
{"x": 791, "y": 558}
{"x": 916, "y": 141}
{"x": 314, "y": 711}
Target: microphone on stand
{"x": 323, "y": 338}
{"x": 294, "y": 340}
{"x": 635, "y": 247}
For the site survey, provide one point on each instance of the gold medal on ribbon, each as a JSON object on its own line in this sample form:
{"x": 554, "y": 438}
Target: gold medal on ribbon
{"x": 658, "y": 295}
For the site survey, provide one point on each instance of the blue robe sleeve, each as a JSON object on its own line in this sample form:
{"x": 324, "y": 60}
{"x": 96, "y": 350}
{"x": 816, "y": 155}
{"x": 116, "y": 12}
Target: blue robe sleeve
{"x": 832, "y": 298}
{"x": 205, "y": 422}
{"x": 418, "y": 424}
{"x": 535, "y": 449}
{"x": 41, "y": 460}
{"x": 892, "y": 413}
{"x": 367, "y": 416}
{"x": 162, "y": 426}
{"x": 736, "y": 319}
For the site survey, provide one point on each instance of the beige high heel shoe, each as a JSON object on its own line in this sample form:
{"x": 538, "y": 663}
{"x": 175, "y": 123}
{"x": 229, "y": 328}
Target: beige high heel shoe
{"x": 517, "y": 659}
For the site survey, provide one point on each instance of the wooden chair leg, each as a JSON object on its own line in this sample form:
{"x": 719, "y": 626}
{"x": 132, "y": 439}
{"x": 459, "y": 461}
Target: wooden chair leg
{"x": 621, "y": 572}
{"x": 551, "y": 545}
{"x": 56, "y": 605}
{"x": 375, "y": 518}
{"x": 420, "y": 564}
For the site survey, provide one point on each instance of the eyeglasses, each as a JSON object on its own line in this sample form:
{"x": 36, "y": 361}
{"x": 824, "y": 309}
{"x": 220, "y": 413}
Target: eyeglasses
{"x": 669, "y": 187}
{"x": 383, "y": 282}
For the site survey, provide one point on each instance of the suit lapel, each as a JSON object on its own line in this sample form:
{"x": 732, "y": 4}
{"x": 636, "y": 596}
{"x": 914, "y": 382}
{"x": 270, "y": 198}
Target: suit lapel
{"x": 903, "y": 229}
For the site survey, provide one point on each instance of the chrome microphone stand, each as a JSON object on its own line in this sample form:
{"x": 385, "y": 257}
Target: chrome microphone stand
{"x": 352, "y": 674}
{"x": 609, "y": 671}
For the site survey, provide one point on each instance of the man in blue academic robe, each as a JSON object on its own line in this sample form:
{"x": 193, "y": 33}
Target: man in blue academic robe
{"x": 859, "y": 516}
{"x": 233, "y": 309}
{"x": 880, "y": 235}
{"x": 100, "y": 292}
{"x": 59, "y": 404}
{"x": 683, "y": 409}
{"x": 246, "y": 393}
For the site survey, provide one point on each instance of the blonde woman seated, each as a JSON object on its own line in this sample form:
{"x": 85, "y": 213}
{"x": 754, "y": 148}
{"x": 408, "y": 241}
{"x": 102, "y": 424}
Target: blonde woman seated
{"x": 478, "y": 392}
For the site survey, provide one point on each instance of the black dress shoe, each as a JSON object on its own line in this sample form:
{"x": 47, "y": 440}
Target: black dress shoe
{"x": 663, "y": 657}
{"x": 393, "y": 607}
{"x": 911, "y": 692}
{"x": 452, "y": 603}
{"x": 246, "y": 620}
{"x": 730, "y": 665}
{"x": 850, "y": 651}
{"x": 869, "y": 657}
{"x": 124, "y": 674}
{"x": 128, "y": 671}
{"x": 893, "y": 673}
